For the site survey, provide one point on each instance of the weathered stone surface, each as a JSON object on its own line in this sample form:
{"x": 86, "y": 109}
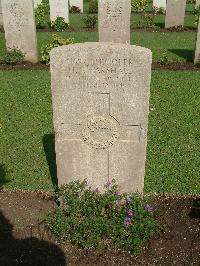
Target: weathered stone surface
{"x": 157, "y": 4}
{"x": 78, "y": 3}
{"x": 197, "y": 49}
{"x": 37, "y": 2}
{"x": 1, "y": 15}
{"x": 100, "y": 107}
{"x": 197, "y": 3}
{"x": 19, "y": 26}
{"x": 59, "y": 8}
{"x": 175, "y": 13}
{"x": 114, "y": 20}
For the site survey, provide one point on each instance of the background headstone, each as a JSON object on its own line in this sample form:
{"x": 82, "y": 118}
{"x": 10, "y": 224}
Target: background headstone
{"x": 19, "y": 26}
{"x": 157, "y": 4}
{"x": 78, "y": 3}
{"x": 197, "y": 49}
{"x": 175, "y": 13}
{"x": 59, "y": 8}
{"x": 37, "y": 2}
{"x": 100, "y": 107}
{"x": 1, "y": 15}
{"x": 114, "y": 21}
{"x": 197, "y": 3}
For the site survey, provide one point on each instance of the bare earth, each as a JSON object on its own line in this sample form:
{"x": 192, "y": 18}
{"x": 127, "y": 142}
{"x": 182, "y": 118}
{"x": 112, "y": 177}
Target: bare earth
{"x": 24, "y": 241}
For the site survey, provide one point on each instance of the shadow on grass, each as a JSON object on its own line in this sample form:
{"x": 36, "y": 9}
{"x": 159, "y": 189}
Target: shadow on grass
{"x": 3, "y": 179}
{"x": 28, "y": 251}
{"x": 49, "y": 148}
{"x": 160, "y": 24}
{"x": 188, "y": 55}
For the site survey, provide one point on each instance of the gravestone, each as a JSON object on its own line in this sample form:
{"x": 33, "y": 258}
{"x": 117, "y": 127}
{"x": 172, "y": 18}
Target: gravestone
{"x": 157, "y": 4}
{"x": 78, "y": 3}
{"x": 175, "y": 13}
{"x": 114, "y": 21}
{"x": 197, "y": 4}
{"x": 59, "y": 8}
{"x": 197, "y": 49}
{"x": 100, "y": 107}
{"x": 19, "y": 26}
{"x": 1, "y": 15}
{"x": 37, "y": 2}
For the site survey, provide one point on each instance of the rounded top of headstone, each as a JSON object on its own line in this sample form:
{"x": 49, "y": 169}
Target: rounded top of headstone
{"x": 139, "y": 54}
{"x": 100, "y": 45}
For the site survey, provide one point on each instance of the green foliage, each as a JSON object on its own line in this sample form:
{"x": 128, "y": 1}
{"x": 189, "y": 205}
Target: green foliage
{"x": 56, "y": 41}
{"x": 164, "y": 59}
{"x": 13, "y": 57}
{"x": 146, "y": 21}
{"x": 90, "y": 21}
{"x": 139, "y": 5}
{"x": 93, "y": 6}
{"x": 75, "y": 9}
{"x": 59, "y": 24}
{"x": 92, "y": 219}
{"x": 40, "y": 14}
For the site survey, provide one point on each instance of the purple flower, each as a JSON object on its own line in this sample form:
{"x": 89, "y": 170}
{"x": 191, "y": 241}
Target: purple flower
{"x": 108, "y": 184}
{"x": 127, "y": 221}
{"x": 96, "y": 190}
{"x": 148, "y": 208}
{"x": 130, "y": 213}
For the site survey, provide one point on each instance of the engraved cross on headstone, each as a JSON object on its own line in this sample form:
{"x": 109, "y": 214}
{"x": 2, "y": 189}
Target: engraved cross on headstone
{"x": 114, "y": 131}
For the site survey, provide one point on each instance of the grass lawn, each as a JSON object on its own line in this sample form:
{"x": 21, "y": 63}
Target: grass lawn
{"x": 179, "y": 46}
{"x": 26, "y": 131}
{"x": 159, "y": 20}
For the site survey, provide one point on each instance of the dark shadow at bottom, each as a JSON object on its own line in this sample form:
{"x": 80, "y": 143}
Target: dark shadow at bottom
{"x": 28, "y": 251}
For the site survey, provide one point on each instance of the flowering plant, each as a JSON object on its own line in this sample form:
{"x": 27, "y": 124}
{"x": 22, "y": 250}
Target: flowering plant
{"x": 94, "y": 218}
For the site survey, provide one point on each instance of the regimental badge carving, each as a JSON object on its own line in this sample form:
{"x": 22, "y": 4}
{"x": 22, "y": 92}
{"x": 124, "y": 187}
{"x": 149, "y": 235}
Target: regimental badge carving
{"x": 100, "y": 132}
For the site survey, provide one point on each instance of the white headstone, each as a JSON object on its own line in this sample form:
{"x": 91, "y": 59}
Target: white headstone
{"x": 197, "y": 49}
{"x": 78, "y": 3}
{"x": 19, "y": 26}
{"x": 100, "y": 108}
{"x": 197, "y": 3}
{"x": 114, "y": 20}
{"x": 59, "y": 8}
{"x": 157, "y": 4}
{"x": 1, "y": 15}
{"x": 175, "y": 13}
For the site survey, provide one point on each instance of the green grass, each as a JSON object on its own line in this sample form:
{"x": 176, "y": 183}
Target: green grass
{"x": 173, "y": 163}
{"x": 159, "y": 20}
{"x": 179, "y": 46}
{"x": 25, "y": 118}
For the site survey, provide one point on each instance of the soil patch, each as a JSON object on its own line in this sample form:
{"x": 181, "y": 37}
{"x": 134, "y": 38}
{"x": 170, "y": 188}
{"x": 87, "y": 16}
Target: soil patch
{"x": 25, "y": 241}
{"x": 176, "y": 66}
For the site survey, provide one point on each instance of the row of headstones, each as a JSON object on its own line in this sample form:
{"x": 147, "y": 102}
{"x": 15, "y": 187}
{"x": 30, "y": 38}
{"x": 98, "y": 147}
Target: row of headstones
{"x": 158, "y": 4}
{"x": 77, "y": 3}
{"x": 114, "y": 25}
{"x": 58, "y": 8}
{"x": 175, "y": 10}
